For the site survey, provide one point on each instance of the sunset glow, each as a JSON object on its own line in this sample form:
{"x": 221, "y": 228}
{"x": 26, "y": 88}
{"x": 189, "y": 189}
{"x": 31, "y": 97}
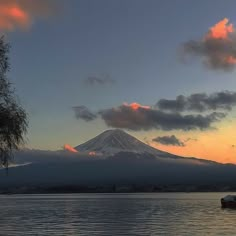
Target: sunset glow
{"x": 135, "y": 106}
{"x": 69, "y": 148}
{"x": 12, "y": 15}
{"x": 20, "y": 14}
{"x": 221, "y": 30}
{"x": 210, "y": 145}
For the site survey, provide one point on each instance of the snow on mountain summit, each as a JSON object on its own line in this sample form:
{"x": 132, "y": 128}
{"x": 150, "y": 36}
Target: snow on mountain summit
{"x": 113, "y": 141}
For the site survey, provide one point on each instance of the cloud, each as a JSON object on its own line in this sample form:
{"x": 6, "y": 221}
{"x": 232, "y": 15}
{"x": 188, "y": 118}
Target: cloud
{"x": 99, "y": 80}
{"x": 136, "y": 106}
{"x": 169, "y": 140}
{"x": 148, "y": 118}
{"x": 199, "y": 102}
{"x": 190, "y": 139}
{"x": 182, "y": 113}
{"x": 217, "y": 48}
{"x": 82, "y": 112}
{"x": 69, "y": 148}
{"x": 20, "y": 14}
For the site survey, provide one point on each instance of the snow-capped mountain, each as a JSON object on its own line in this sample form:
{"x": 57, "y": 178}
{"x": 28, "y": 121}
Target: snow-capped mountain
{"x": 112, "y": 157}
{"x": 111, "y": 142}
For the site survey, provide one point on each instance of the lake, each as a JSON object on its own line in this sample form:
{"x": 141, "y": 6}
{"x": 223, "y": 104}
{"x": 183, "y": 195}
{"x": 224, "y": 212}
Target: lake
{"x": 116, "y": 214}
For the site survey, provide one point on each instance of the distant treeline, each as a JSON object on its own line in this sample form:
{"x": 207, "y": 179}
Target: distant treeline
{"x": 116, "y": 189}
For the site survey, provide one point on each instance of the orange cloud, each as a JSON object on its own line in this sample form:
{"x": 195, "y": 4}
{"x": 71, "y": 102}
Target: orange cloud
{"x": 135, "y": 106}
{"x": 69, "y": 148}
{"x": 217, "y": 48}
{"x": 221, "y": 30}
{"x": 20, "y": 14}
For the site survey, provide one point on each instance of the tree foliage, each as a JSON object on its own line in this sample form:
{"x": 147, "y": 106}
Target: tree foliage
{"x": 13, "y": 118}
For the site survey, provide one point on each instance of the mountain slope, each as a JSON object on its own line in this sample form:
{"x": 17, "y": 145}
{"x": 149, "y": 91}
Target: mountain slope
{"x": 114, "y": 141}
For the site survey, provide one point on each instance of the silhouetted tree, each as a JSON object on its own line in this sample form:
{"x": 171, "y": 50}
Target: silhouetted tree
{"x": 13, "y": 118}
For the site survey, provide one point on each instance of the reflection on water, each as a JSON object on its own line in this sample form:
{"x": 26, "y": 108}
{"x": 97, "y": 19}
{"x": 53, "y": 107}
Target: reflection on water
{"x": 116, "y": 214}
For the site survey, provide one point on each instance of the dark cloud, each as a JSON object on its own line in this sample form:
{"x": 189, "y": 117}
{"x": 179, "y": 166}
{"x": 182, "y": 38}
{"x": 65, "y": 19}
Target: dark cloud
{"x": 166, "y": 115}
{"x": 217, "y": 49}
{"x": 214, "y": 52}
{"x": 169, "y": 140}
{"x": 99, "y": 80}
{"x": 199, "y": 102}
{"x": 146, "y": 119}
{"x": 82, "y": 112}
{"x": 178, "y": 104}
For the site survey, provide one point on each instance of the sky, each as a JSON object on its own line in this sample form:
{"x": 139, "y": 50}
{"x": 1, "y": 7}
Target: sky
{"x": 83, "y": 66}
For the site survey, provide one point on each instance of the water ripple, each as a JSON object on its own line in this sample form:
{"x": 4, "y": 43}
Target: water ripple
{"x": 116, "y": 214}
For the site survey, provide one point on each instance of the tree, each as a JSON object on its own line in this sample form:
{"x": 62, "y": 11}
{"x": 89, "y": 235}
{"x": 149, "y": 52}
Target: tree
{"x": 13, "y": 118}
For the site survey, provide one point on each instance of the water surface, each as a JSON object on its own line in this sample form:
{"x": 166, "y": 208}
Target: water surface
{"x": 116, "y": 214}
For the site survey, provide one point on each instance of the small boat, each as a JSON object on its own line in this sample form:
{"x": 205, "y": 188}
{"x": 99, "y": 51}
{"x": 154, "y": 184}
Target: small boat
{"x": 228, "y": 201}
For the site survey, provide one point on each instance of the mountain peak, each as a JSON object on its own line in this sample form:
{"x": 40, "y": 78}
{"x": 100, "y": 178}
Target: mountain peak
{"x": 113, "y": 141}
{"x": 114, "y": 131}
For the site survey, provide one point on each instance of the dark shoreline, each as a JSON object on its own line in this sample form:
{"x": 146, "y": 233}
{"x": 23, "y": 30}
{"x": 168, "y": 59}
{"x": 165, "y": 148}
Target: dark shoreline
{"x": 115, "y": 189}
